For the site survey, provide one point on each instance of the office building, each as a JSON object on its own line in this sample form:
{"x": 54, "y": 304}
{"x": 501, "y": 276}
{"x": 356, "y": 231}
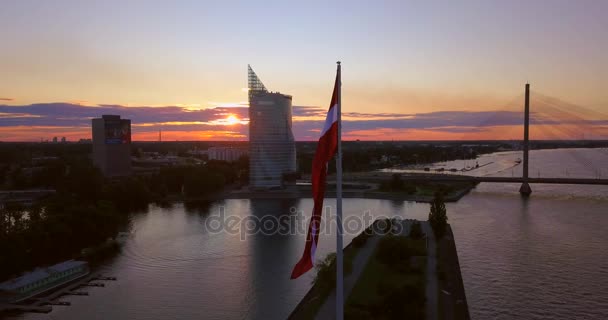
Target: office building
{"x": 112, "y": 145}
{"x": 272, "y": 149}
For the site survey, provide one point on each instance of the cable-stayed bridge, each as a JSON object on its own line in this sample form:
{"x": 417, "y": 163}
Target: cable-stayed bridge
{"x": 562, "y": 119}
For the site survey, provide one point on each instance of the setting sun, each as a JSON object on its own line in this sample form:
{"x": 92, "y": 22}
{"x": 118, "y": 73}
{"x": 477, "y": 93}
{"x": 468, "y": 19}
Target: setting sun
{"x": 232, "y": 119}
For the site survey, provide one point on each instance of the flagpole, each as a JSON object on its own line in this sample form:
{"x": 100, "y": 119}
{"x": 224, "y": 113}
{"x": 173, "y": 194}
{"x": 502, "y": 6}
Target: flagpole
{"x": 339, "y": 246}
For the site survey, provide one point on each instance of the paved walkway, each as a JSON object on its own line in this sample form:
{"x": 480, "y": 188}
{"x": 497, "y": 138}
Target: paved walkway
{"x": 431, "y": 272}
{"x": 328, "y": 309}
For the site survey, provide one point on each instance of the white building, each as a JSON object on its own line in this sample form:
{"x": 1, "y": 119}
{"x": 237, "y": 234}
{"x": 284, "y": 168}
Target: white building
{"x": 226, "y": 153}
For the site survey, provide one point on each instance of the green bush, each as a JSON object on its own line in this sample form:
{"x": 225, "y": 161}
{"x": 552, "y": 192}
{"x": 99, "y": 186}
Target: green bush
{"x": 393, "y": 250}
{"x": 325, "y": 279}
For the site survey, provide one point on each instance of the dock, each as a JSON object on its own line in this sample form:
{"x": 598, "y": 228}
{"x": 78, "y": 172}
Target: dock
{"x": 43, "y": 303}
{"x": 9, "y": 307}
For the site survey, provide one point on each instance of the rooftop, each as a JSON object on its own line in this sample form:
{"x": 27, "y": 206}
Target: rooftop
{"x": 39, "y": 274}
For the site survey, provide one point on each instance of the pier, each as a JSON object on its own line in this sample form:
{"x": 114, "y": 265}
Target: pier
{"x": 43, "y": 303}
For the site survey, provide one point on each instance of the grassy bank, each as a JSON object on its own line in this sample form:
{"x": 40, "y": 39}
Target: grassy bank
{"x": 391, "y": 283}
{"x": 323, "y": 286}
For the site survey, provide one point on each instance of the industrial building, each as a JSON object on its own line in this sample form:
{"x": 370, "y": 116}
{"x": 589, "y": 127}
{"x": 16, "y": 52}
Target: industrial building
{"x": 112, "y": 145}
{"x": 272, "y": 149}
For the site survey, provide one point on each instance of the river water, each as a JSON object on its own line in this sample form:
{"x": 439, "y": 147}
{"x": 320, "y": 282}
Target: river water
{"x": 541, "y": 258}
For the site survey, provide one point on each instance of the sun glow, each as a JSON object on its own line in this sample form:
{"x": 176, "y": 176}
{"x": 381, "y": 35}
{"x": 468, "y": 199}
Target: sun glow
{"x": 232, "y": 119}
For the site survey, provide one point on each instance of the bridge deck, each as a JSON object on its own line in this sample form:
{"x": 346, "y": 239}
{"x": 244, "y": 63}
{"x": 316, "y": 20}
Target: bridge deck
{"x": 450, "y": 178}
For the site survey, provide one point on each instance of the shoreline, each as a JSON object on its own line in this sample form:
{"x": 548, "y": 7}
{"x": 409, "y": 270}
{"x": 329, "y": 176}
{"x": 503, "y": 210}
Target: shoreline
{"x": 448, "y": 306}
{"x": 452, "y": 296}
{"x": 303, "y": 194}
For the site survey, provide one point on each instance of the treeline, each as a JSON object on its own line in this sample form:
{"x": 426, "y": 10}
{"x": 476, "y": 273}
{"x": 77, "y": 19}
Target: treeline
{"x": 88, "y": 208}
{"x": 367, "y": 156}
{"x": 20, "y": 169}
{"x": 83, "y": 212}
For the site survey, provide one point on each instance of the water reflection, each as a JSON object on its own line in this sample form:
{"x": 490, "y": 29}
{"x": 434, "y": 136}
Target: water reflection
{"x": 397, "y": 204}
{"x": 278, "y": 247}
{"x": 544, "y": 257}
{"x": 196, "y": 206}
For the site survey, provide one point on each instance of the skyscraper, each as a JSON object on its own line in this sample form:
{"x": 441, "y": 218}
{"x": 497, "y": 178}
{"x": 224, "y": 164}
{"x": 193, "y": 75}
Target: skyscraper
{"x": 272, "y": 149}
{"x": 112, "y": 145}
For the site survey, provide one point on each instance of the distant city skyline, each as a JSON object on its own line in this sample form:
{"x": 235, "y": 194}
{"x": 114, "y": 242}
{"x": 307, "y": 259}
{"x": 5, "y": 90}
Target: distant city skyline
{"x": 412, "y": 71}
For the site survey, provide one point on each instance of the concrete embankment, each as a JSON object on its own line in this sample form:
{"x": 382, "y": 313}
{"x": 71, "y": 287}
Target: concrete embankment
{"x": 452, "y": 297}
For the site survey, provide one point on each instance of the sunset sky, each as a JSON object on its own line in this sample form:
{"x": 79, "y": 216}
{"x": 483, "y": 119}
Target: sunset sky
{"x": 412, "y": 70}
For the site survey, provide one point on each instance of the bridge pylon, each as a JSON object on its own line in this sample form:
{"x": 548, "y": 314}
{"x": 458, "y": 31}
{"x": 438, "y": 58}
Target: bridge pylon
{"x": 525, "y": 189}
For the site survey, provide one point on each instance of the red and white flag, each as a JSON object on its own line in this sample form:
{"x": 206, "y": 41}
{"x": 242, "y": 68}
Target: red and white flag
{"x": 326, "y": 149}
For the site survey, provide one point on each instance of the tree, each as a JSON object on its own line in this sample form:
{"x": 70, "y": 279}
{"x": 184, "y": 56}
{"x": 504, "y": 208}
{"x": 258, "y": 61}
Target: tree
{"x": 438, "y": 217}
{"x": 203, "y": 182}
{"x": 325, "y": 278}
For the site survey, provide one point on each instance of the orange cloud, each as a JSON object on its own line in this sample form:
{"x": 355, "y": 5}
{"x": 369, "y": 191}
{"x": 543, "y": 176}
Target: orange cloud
{"x": 36, "y": 133}
{"x": 206, "y": 135}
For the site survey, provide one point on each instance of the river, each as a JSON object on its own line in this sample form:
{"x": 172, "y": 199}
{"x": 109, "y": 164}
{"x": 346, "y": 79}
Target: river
{"x": 541, "y": 258}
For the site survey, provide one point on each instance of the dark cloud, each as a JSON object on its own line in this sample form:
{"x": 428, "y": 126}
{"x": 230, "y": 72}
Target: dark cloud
{"x": 6, "y": 99}
{"x": 66, "y": 114}
{"x": 321, "y": 112}
{"x": 308, "y": 111}
{"x": 176, "y": 118}
{"x": 446, "y": 121}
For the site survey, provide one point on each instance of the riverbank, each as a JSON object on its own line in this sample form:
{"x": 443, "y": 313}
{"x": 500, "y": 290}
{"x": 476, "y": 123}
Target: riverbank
{"x": 297, "y": 194}
{"x": 423, "y": 193}
{"x": 452, "y": 298}
{"x": 418, "y": 287}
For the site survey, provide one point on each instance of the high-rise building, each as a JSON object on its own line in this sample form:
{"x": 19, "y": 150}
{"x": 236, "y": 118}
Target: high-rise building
{"x": 112, "y": 145}
{"x": 272, "y": 149}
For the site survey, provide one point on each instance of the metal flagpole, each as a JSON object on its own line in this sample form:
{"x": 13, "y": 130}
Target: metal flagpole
{"x": 339, "y": 253}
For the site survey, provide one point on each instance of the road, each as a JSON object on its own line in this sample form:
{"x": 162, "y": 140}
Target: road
{"x": 328, "y": 309}
{"x": 431, "y": 272}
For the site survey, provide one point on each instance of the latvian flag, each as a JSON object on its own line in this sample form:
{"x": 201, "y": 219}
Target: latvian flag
{"x": 326, "y": 149}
